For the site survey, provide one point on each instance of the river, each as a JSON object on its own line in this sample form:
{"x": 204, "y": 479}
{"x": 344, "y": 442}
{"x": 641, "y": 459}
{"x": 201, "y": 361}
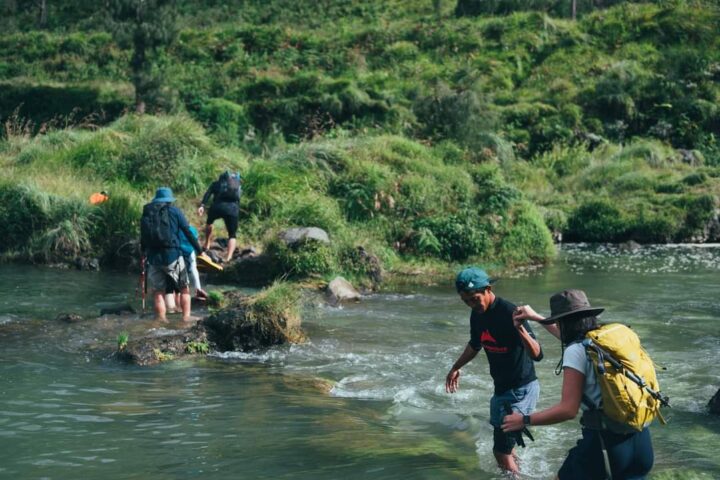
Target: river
{"x": 68, "y": 411}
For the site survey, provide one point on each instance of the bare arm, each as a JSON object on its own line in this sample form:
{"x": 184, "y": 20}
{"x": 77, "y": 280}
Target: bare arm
{"x": 453, "y": 377}
{"x": 529, "y": 343}
{"x": 573, "y": 382}
{"x": 526, "y": 312}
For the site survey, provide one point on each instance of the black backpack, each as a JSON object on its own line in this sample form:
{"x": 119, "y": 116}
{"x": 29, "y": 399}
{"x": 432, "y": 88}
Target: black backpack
{"x": 155, "y": 226}
{"x": 229, "y": 190}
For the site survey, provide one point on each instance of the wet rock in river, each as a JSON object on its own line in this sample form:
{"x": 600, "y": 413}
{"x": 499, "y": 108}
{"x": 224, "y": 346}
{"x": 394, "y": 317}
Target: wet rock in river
{"x": 245, "y": 326}
{"x": 340, "y": 290}
{"x": 163, "y": 345}
{"x": 714, "y": 403}
{"x": 119, "y": 309}
{"x": 69, "y": 318}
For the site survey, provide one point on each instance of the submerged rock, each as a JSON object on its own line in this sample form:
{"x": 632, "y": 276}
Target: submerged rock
{"x": 118, "y": 309}
{"x": 69, "y": 318}
{"x": 162, "y": 345}
{"x": 340, "y": 290}
{"x": 714, "y": 403}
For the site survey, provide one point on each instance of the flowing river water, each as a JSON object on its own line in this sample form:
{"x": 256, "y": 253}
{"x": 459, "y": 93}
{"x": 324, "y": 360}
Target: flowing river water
{"x": 68, "y": 411}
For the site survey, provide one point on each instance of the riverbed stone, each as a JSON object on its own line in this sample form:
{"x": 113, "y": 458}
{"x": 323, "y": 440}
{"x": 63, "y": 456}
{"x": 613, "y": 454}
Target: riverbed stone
{"x": 714, "y": 403}
{"x": 69, "y": 318}
{"x": 293, "y": 236}
{"x": 119, "y": 309}
{"x": 340, "y": 290}
{"x": 163, "y": 345}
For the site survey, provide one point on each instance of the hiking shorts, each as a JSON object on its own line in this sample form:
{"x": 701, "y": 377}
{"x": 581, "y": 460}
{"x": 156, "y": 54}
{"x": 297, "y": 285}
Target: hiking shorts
{"x": 631, "y": 456}
{"x": 522, "y": 400}
{"x": 228, "y": 212}
{"x": 173, "y": 277}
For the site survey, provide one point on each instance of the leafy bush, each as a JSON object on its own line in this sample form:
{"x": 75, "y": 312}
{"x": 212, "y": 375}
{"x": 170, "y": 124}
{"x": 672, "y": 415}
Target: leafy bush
{"x": 62, "y": 104}
{"x": 525, "y": 238}
{"x": 455, "y": 237}
{"x": 24, "y": 211}
{"x": 226, "y": 120}
{"x": 303, "y": 259}
{"x": 597, "y": 220}
{"x": 116, "y": 228}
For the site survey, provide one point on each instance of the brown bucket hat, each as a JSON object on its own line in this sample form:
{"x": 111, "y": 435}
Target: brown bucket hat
{"x": 570, "y": 305}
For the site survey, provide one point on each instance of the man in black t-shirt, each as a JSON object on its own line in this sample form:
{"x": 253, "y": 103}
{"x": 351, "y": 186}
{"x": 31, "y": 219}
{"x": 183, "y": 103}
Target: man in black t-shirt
{"x": 510, "y": 347}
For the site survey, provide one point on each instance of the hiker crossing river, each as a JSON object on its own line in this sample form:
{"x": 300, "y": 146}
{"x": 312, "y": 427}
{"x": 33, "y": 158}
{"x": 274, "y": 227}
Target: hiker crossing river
{"x": 364, "y": 398}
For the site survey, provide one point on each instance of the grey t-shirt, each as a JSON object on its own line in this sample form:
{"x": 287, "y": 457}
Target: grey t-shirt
{"x": 576, "y": 358}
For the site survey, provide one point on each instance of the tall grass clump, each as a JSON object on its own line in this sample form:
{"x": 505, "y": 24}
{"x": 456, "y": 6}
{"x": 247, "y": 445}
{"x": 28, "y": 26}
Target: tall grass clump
{"x": 24, "y": 211}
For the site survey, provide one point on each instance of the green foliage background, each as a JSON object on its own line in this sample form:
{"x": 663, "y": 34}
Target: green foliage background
{"x": 425, "y": 132}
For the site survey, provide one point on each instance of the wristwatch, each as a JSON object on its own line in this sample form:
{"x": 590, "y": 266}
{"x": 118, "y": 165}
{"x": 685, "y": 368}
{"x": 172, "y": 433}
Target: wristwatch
{"x": 526, "y": 419}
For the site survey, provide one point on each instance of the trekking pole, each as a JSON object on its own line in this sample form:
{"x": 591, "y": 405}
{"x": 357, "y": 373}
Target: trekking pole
{"x": 603, "y": 355}
{"x": 143, "y": 282}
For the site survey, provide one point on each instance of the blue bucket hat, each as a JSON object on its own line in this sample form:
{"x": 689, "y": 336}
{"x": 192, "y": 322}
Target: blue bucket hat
{"x": 472, "y": 278}
{"x": 163, "y": 195}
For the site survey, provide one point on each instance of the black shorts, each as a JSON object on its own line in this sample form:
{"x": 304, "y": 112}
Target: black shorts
{"x": 631, "y": 456}
{"x": 229, "y": 212}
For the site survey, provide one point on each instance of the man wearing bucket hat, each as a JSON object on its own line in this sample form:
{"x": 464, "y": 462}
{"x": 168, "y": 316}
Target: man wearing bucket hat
{"x": 599, "y": 454}
{"x": 161, "y": 229}
{"x": 510, "y": 347}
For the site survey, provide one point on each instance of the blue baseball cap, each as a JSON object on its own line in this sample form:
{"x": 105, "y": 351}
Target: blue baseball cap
{"x": 472, "y": 278}
{"x": 163, "y": 195}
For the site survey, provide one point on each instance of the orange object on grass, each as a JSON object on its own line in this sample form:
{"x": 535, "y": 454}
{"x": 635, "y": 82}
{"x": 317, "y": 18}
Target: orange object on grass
{"x": 97, "y": 198}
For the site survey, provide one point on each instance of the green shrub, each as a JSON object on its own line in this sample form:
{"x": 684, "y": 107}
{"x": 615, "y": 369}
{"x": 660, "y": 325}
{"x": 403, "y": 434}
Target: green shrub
{"x": 226, "y": 120}
{"x": 116, "y": 227}
{"x": 597, "y": 221}
{"x": 655, "y": 227}
{"x": 564, "y": 160}
{"x": 699, "y": 209}
{"x": 62, "y": 104}
{"x": 303, "y": 259}
{"x": 24, "y": 211}
{"x": 633, "y": 182}
{"x": 525, "y": 238}
{"x": 695, "y": 178}
{"x": 454, "y": 237}
{"x": 494, "y": 194}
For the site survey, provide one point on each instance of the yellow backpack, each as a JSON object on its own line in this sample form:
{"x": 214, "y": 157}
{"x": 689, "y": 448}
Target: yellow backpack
{"x": 630, "y": 391}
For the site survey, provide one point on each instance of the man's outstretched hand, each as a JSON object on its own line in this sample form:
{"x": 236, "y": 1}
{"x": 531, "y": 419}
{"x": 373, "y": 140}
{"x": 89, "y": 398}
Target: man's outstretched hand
{"x": 452, "y": 381}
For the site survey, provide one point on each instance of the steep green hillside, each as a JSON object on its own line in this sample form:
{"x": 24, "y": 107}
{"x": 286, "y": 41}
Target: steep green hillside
{"x": 425, "y": 134}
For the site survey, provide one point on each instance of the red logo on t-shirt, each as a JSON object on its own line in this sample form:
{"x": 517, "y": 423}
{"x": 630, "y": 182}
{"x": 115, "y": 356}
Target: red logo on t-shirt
{"x": 489, "y": 343}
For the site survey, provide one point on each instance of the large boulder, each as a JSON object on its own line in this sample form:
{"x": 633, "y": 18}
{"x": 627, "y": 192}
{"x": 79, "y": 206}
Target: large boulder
{"x": 250, "y": 271}
{"x": 293, "y": 236}
{"x": 246, "y": 325}
{"x": 714, "y": 403}
{"x": 340, "y": 290}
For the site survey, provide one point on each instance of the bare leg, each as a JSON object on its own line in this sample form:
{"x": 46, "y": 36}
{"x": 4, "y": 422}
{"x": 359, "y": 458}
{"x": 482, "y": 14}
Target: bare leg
{"x": 159, "y": 304}
{"x": 507, "y": 462}
{"x": 208, "y": 235}
{"x": 185, "y": 301}
{"x": 232, "y": 243}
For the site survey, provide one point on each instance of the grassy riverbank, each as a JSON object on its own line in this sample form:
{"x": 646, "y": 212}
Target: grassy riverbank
{"x": 429, "y": 139}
